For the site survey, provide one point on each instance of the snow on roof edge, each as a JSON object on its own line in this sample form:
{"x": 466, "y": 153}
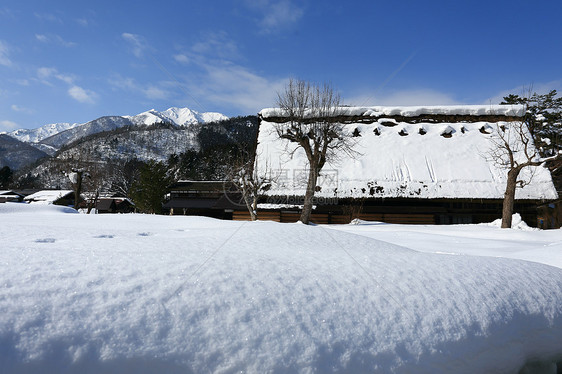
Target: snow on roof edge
{"x": 412, "y": 111}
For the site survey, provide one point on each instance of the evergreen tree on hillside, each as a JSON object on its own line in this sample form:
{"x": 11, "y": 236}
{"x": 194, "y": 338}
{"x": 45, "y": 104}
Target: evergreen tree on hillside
{"x": 6, "y": 176}
{"x": 543, "y": 118}
{"x": 149, "y": 191}
{"x": 221, "y": 146}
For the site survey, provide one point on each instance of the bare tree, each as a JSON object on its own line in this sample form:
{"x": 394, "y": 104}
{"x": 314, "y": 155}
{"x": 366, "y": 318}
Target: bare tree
{"x": 251, "y": 182}
{"x": 312, "y": 125}
{"x": 513, "y": 149}
{"x": 76, "y": 176}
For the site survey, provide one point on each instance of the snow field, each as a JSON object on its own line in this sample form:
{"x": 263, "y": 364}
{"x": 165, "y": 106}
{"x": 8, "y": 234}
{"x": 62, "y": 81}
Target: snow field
{"x": 100, "y": 293}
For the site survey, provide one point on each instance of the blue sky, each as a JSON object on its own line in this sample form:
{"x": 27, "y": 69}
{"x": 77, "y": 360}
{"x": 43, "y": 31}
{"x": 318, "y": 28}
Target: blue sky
{"x": 74, "y": 61}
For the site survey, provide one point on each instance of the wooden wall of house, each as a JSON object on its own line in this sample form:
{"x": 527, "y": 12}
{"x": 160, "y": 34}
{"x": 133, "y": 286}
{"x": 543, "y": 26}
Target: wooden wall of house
{"x": 334, "y": 218}
{"x": 550, "y": 215}
{"x": 403, "y": 211}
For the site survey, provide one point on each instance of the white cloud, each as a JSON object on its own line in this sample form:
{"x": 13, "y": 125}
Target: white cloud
{"x": 47, "y": 17}
{"x": 22, "y": 82}
{"x": 215, "y": 80}
{"x": 83, "y": 22}
{"x": 42, "y": 38}
{"x": 8, "y": 125}
{"x": 57, "y": 39}
{"x": 526, "y": 90}
{"x": 126, "y": 84}
{"x": 69, "y": 79}
{"x": 137, "y": 42}
{"x": 21, "y": 109}
{"x": 216, "y": 45}
{"x": 420, "y": 96}
{"x": 237, "y": 87}
{"x": 155, "y": 93}
{"x": 82, "y": 95}
{"x": 8, "y": 13}
{"x": 152, "y": 92}
{"x": 46, "y": 73}
{"x": 4, "y": 59}
{"x": 275, "y": 14}
{"x": 181, "y": 58}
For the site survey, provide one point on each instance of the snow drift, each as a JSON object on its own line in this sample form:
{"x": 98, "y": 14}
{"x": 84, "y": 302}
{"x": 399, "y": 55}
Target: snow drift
{"x": 186, "y": 294}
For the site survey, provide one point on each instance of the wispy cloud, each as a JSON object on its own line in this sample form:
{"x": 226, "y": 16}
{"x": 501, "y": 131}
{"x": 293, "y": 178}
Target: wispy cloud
{"x": 4, "y": 54}
{"x": 47, "y": 75}
{"x": 157, "y": 91}
{"x": 22, "y": 82}
{"x": 182, "y": 59}
{"x": 47, "y": 17}
{"x": 83, "y": 22}
{"x": 275, "y": 15}
{"x": 217, "y": 80}
{"x": 216, "y": 44}
{"x": 238, "y": 87}
{"x": 137, "y": 43}
{"x": 56, "y": 39}
{"x": 9, "y": 13}
{"x": 42, "y": 38}
{"x": 21, "y": 109}
{"x": 44, "y": 73}
{"x": 6, "y": 125}
{"x": 82, "y": 95}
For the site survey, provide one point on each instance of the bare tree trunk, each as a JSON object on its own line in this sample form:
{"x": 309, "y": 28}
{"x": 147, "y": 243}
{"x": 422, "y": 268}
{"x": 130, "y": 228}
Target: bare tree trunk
{"x": 78, "y": 189}
{"x": 93, "y": 203}
{"x": 509, "y": 198}
{"x": 251, "y": 206}
{"x": 309, "y": 195}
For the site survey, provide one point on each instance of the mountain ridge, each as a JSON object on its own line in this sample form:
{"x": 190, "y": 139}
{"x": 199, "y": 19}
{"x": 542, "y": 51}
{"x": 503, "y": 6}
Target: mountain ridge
{"x": 16, "y": 154}
{"x": 47, "y": 134}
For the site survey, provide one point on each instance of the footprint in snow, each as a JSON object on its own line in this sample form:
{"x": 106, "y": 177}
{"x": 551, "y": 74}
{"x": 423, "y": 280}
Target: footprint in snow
{"x": 144, "y": 234}
{"x": 104, "y": 236}
{"x": 46, "y": 240}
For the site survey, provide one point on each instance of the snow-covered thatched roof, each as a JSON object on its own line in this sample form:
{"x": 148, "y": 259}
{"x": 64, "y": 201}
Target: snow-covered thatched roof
{"x": 397, "y": 157}
{"x": 48, "y": 196}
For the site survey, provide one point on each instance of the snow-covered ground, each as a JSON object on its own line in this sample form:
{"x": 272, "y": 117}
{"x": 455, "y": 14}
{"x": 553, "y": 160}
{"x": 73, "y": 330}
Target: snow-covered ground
{"x": 159, "y": 294}
{"x": 522, "y": 242}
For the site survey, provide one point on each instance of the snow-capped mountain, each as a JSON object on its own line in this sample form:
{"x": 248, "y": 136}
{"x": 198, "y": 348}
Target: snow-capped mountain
{"x": 43, "y": 132}
{"x": 107, "y": 123}
{"x": 53, "y": 136}
{"x": 176, "y": 116}
{"x": 49, "y": 139}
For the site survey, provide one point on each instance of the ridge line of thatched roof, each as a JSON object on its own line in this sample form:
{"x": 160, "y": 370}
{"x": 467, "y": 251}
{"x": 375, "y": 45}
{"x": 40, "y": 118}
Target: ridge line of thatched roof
{"x": 408, "y": 114}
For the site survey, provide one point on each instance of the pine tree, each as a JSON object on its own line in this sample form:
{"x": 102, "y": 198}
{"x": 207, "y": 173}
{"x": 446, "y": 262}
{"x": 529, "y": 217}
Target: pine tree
{"x": 149, "y": 192}
{"x": 6, "y": 175}
{"x": 543, "y": 118}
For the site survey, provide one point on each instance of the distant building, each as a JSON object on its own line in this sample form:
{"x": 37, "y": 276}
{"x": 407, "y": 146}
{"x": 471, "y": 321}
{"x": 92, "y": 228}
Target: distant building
{"x": 10, "y": 196}
{"x": 114, "y": 205}
{"x": 218, "y": 199}
{"x": 56, "y": 197}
